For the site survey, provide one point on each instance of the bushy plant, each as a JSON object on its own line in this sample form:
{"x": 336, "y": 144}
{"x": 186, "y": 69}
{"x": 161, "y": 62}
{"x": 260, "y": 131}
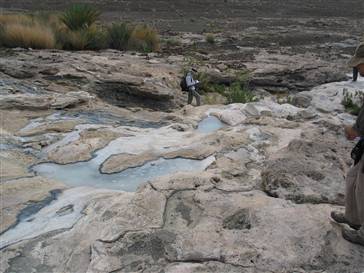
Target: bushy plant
{"x": 238, "y": 93}
{"x": 144, "y": 38}
{"x": 9, "y": 19}
{"x": 97, "y": 38}
{"x": 93, "y": 38}
{"x": 80, "y": 16}
{"x": 119, "y": 35}
{"x": 353, "y": 102}
{"x": 210, "y": 38}
{"x": 28, "y": 36}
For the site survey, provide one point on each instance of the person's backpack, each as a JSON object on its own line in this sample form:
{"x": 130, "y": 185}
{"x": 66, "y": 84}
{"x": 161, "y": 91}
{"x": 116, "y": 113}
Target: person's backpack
{"x": 183, "y": 84}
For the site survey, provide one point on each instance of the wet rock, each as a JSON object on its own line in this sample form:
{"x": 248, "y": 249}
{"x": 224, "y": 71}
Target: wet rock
{"x": 23, "y": 197}
{"x": 121, "y": 162}
{"x": 82, "y": 148}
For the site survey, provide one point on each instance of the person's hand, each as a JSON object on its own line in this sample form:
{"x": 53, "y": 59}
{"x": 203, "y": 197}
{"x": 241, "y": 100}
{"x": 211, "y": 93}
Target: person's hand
{"x": 351, "y": 133}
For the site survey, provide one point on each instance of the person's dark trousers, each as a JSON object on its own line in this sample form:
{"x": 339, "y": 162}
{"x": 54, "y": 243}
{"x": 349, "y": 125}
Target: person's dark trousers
{"x": 193, "y": 93}
{"x": 355, "y": 74}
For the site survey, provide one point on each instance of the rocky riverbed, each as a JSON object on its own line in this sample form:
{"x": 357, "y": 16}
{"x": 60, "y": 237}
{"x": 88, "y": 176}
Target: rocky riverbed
{"x": 104, "y": 169}
{"x": 95, "y": 179}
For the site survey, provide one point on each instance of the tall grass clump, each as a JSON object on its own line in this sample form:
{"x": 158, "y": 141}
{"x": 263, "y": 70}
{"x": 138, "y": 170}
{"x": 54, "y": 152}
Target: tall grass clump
{"x": 74, "y": 29}
{"x": 23, "y": 19}
{"x": 80, "y": 31}
{"x": 119, "y": 35}
{"x": 144, "y": 38}
{"x": 35, "y": 36}
{"x": 80, "y": 16}
{"x": 92, "y": 38}
{"x": 17, "y": 30}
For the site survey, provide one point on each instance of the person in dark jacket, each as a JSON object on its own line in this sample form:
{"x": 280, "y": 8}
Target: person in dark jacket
{"x": 354, "y": 199}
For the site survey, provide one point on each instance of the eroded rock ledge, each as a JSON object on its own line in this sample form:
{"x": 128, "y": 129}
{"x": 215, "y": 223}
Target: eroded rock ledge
{"x": 263, "y": 205}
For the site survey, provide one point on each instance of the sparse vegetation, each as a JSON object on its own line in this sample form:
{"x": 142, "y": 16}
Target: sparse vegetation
{"x": 236, "y": 92}
{"x": 74, "y": 29}
{"x": 25, "y": 31}
{"x": 80, "y": 16}
{"x": 210, "y": 38}
{"x": 353, "y": 101}
{"x": 119, "y": 35}
{"x": 144, "y": 38}
{"x": 239, "y": 93}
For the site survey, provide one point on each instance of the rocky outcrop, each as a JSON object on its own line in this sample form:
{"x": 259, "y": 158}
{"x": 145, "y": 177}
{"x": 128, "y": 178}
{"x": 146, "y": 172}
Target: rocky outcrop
{"x": 308, "y": 172}
{"x": 130, "y": 90}
{"x": 117, "y": 78}
{"x": 43, "y": 102}
{"x": 272, "y": 175}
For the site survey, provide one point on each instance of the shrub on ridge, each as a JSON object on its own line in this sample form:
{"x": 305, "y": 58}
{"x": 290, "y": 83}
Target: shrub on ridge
{"x": 28, "y": 36}
{"x": 119, "y": 35}
{"x": 80, "y": 16}
{"x": 144, "y": 38}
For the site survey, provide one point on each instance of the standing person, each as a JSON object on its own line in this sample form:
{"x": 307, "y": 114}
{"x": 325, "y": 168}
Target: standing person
{"x": 354, "y": 199}
{"x": 191, "y": 85}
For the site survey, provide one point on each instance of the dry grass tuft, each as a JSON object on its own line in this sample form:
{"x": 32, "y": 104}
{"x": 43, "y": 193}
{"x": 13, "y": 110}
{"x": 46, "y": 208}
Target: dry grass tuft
{"x": 34, "y": 35}
{"x": 9, "y": 19}
{"x": 144, "y": 38}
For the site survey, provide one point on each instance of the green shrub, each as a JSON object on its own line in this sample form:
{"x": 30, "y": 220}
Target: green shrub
{"x": 353, "y": 102}
{"x": 119, "y": 35}
{"x": 238, "y": 93}
{"x": 144, "y": 38}
{"x": 80, "y": 16}
{"x": 210, "y": 38}
{"x": 93, "y": 38}
{"x": 97, "y": 38}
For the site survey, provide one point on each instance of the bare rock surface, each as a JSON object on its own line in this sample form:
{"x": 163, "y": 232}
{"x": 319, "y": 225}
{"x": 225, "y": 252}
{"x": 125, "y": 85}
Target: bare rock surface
{"x": 261, "y": 204}
{"x": 27, "y": 196}
{"x": 84, "y": 144}
{"x": 32, "y": 102}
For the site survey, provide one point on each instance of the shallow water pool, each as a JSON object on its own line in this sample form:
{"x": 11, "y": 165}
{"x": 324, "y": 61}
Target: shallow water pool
{"x": 87, "y": 173}
{"x": 210, "y": 124}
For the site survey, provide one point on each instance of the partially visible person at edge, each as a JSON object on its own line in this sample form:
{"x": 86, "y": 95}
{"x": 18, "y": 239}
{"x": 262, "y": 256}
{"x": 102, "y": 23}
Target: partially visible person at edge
{"x": 191, "y": 85}
{"x": 354, "y": 199}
